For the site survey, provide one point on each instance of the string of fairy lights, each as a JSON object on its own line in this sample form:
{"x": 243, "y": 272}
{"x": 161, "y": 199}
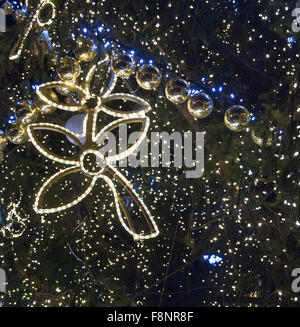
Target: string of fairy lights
{"x": 149, "y": 76}
{"x": 218, "y": 204}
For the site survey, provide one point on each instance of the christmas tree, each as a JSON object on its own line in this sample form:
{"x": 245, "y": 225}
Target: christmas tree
{"x": 84, "y": 227}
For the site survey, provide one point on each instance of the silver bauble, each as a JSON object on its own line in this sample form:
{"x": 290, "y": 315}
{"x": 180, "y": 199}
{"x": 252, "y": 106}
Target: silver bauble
{"x": 237, "y": 118}
{"x": 200, "y": 105}
{"x": 68, "y": 69}
{"x": 177, "y": 90}
{"x": 123, "y": 65}
{"x": 148, "y": 77}
{"x": 85, "y": 49}
{"x": 262, "y": 140}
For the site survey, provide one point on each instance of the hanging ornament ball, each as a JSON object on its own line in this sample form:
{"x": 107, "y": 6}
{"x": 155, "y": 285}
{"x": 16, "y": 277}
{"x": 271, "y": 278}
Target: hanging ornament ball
{"x": 123, "y": 65}
{"x": 262, "y": 138}
{"x": 200, "y": 105}
{"x": 19, "y": 15}
{"x": 3, "y": 141}
{"x": 177, "y": 91}
{"x": 1, "y": 156}
{"x": 75, "y": 124}
{"x": 8, "y": 8}
{"x": 148, "y": 77}
{"x": 43, "y": 107}
{"x": 68, "y": 69}
{"x": 16, "y": 133}
{"x": 85, "y": 49}
{"x": 26, "y": 113}
{"x": 237, "y": 118}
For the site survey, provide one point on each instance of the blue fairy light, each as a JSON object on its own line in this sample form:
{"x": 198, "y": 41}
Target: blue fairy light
{"x": 213, "y": 259}
{"x": 291, "y": 39}
{"x": 132, "y": 52}
{"x": 193, "y": 91}
{"x": 234, "y": 5}
{"x": 153, "y": 180}
{"x": 24, "y": 10}
{"x": 12, "y": 119}
{"x": 15, "y": 5}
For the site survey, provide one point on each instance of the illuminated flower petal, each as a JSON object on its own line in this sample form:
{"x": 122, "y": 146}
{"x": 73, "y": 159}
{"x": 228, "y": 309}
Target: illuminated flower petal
{"x": 43, "y": 91}
{"x": 124, "y": 121}
{"x": 128, "y": 223}
{"x": 48, "y": 185}
{"x": 142, "y": 105}
{"x": 100, "y": 79}
{"x": 31, "y": 129}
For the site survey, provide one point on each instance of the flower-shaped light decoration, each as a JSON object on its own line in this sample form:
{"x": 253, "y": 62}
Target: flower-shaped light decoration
{"x": 91, "y": 105}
